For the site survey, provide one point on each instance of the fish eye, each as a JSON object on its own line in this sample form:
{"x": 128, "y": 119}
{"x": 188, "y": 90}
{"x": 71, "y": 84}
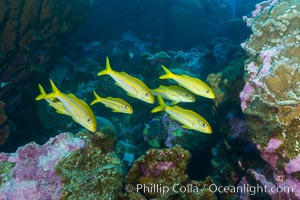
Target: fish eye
{"x": 187, "y": 95}
{"x": 207, "y": 91}
{"x": 126, "y": 107}
{"x": 203, "y": 125}
{"x": 89, "y": 120}
{"x": 147, "y": 94}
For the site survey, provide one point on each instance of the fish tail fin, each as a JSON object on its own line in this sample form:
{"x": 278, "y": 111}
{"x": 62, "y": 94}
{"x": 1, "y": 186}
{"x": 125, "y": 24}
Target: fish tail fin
{"x": 168, "y": 73}
{"x": 161, "y": 107}
{"x": 107, "y": 69}
{"x": 43, "y": 93}
{"x": 97, "y": 98}
{"x": 55, "y": 90}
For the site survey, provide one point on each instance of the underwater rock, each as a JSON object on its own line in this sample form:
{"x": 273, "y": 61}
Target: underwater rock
{"x": 25, "y": 23}
{"x": 66, "y": 167}
{"x": 33, "y": 166}
{"x": 270, "y": 98}
{"x": 30, "y": 31}
{"x": 95, "y": 172}
{"x": 166, "y": 169}
{"x": 215, "y": 81}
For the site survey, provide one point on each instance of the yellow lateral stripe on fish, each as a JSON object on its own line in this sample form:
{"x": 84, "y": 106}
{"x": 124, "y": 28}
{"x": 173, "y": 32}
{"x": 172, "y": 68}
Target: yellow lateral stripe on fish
{"x": 192, "y": 84}
{"x": 174, "y": 93}
{"x": 78, "y": 109}
{"x": 117, "y": 104}
{"x": 188, "y": 118}
{"x": 57, "y": 105}
{"x": 133, "y": 86}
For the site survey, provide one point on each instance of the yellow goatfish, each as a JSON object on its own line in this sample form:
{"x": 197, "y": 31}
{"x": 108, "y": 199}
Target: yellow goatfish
{"x": 133, "y": 86}
{"x": 75, "y": 107}
{"x": 174, "y": 93}
{"x": 117, "y": 104}
{"x": 57, "y": 105}
{"x": 188, "y": 118}
{"x": 192, "y": 84}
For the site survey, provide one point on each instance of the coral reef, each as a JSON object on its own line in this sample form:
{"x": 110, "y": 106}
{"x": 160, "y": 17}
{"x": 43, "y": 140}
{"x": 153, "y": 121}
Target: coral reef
{"x": 66, "y": 167}
{"x": 33, "y": 166}
{"x": 95, "y": 172}
{"x": 270, "y": 98}
{"x": 167, "y": 168}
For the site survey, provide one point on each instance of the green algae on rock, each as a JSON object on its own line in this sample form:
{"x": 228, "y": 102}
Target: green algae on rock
{"x": 94, "y": 172}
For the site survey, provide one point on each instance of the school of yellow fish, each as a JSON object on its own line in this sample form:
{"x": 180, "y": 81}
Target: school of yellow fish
{"x": 81, "y": 113}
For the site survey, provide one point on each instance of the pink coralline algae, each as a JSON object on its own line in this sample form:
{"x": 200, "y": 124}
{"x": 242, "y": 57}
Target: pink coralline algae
{"x": 245, "y": 95}
{"x": 33, "y": 175}
{"x": 262, "y": 6}
{"x": 293, "y": 165}
{"x": 269, "y": 153}
{"x": 157, "y": 169}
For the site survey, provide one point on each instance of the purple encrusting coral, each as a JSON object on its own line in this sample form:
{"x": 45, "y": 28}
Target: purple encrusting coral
{"x": 33, "y": 176}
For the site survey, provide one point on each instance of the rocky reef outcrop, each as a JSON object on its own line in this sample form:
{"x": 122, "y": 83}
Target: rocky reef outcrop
{"x": 26, "y": 23}
{"x": 30, "y": 33}
{"x": 271, "y": 95}
{"x": 66, "y": 167}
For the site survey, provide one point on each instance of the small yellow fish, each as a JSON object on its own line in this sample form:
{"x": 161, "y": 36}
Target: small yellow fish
{"x": 57, "y": 105}
{"x": 75, "y": 107}
{"x": 188, "y": 118}
{"x": 174, "y": 93}
{"x": 192, "y": 84}
{"x": 117, "y": 104}
{"x": 133, "y": 86}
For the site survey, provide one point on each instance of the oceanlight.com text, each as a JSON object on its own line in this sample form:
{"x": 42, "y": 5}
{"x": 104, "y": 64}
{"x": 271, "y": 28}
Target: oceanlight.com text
{"x": 190, "y": 188}
{"x": 249, "y": 189}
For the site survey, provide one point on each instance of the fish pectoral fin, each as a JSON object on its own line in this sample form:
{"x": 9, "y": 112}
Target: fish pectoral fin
{"x": 131, "y": 95}
{"x": 117, "y": 84}
{"x": 174, "y": 102}
{"x": 63, "y": 112}
{"x": 186, "y": 127}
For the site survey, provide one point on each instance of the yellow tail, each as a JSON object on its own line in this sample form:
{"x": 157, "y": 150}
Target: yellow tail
{"x": 55, "y": 92}
{"x": 161, "y": 107}
{"x": 97, "y": 98}
{"x": 168, "y": 74}
{"x": 107, "y": 70}
{"x": 42, "y": 95}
